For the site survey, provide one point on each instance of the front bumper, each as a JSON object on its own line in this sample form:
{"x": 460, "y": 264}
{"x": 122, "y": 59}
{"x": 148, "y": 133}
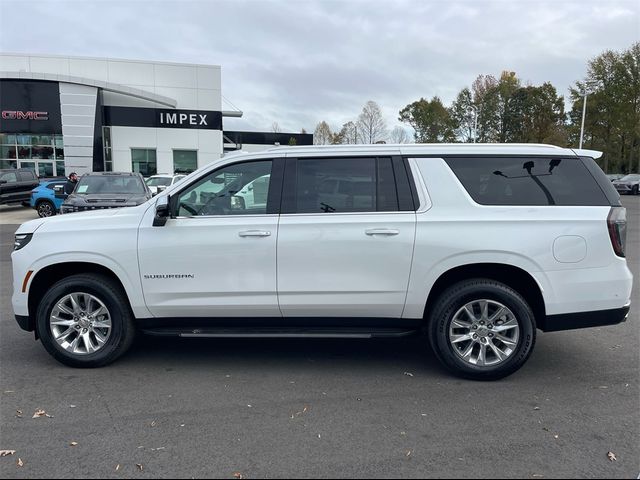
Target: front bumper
{"x": 572, "y": 321}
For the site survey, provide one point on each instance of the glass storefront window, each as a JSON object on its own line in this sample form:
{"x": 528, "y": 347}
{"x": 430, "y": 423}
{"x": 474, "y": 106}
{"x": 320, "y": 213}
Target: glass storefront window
{"x": 8, "y": 164}
{"x": 41, "y": 140}
{"x": 7, "y": 139}
{"x": 8, "y": 152}
{"x": 143, "y": 160}
{"x": 24, "y": 152}
{"x": 185, "y": 161}
{"x": 42, "y": 153}
{"x": 45, "y": 169}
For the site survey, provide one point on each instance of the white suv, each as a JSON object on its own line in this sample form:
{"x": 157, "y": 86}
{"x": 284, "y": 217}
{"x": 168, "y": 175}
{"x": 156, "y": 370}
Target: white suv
{"x": 476, "y": 245}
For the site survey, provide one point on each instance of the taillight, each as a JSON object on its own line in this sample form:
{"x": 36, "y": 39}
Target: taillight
{"x": 617, "y": 224}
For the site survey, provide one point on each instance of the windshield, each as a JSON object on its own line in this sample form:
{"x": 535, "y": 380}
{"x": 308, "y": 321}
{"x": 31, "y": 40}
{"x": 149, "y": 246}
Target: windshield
{"x": 158, "y": 181}
{"x": 631, "y": 177}
{"x": 109, "y": 184}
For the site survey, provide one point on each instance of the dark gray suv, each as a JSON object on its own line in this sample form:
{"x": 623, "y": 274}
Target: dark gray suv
{"x": 99, "y": 190}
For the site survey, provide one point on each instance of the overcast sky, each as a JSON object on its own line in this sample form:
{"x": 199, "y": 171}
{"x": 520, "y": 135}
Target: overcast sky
{"x": 297, "y": 62}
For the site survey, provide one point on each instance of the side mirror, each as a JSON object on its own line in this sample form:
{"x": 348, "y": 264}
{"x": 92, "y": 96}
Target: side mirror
{"x": 2, "y": 182}
{"x": 161, "y": 188}
{"x": 163, "y": 211}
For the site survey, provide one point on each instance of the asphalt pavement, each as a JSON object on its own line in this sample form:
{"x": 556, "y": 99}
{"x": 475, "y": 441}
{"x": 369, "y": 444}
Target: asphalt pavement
{"x": 181, "y": 408}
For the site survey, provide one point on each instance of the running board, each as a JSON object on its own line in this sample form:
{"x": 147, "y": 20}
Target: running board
{"x": 291, "y": 332}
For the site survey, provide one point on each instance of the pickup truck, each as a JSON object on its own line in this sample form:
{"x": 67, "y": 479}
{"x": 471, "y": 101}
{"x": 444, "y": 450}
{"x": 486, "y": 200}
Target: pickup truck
{"x": 16, "y": 185}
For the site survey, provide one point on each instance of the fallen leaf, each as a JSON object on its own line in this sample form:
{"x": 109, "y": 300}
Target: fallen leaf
{"x": 4, "y": 453}
{"x": 139, "y": 465}
{"x": 20, "y": 462}
{"x": 408, "y": 374}
{"x": 117, "y": 467}
{"x": 73, "y": 444}
{"x": 612, "y": 456}
{"x": 39, "y": 413}
{"x": 238, "y": 475}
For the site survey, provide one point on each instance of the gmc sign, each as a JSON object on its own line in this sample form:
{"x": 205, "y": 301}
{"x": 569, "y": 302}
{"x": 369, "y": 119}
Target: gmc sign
{"x": 19, "y": 115}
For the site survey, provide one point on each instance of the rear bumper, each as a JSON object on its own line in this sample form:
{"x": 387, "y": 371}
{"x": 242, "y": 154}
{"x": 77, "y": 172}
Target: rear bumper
{"x": 572, "y": 321}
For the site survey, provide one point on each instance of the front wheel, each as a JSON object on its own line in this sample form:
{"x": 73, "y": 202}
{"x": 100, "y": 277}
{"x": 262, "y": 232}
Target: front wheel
{"x": 634, "y": 190}
{"x": 85, "y": 321}
{"x": 482, "y": 329}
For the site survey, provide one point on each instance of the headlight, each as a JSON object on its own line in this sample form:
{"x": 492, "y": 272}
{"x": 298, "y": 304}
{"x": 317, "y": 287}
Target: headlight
{"x": 21, "y": 240}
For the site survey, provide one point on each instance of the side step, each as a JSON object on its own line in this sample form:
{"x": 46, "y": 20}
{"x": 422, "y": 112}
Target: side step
{"x": 286, "y": 332}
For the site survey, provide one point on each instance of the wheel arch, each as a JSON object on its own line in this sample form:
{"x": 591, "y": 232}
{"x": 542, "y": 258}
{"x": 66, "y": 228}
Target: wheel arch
{"x": 517, "y": 278}
{"x": 49, "y": 275}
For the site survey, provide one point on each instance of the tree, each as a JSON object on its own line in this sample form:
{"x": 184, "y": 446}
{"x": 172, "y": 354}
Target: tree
{"x": 431, "y": 121}
{"x": 322, "y": 135}
{"x": 275, "y": 128}
{"x": 463, "y": 115}
{"x": 612, "y": 123}
{"x": 371, "y": 126}
{"x": 349, "y": 133}
{"x": 399, "y": 135}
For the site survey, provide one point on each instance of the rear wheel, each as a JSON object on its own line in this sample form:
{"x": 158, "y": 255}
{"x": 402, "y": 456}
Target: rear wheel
{"x": 45, "y": 209}
{"x": 85, "y": 321}
{"x": 482, "y": 329}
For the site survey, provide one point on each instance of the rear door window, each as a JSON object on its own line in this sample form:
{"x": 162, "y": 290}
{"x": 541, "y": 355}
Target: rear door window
{"x": 340, "y": 185}
{"x": 528, "y": 181}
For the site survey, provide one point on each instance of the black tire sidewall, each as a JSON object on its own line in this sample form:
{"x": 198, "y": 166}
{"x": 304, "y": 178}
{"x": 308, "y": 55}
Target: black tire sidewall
{"x": 121, "y": 320}
{"x": 45, "y": 202}
{"x": 459, "y": 295}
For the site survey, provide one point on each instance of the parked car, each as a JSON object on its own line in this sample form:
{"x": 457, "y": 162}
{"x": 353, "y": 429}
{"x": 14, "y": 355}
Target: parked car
{"x": 158, "y": 183}
{"x": 628, "y": 184}
{"x": 16, "y": 185}
{"x": 43, "y": 197}
{"x": 100, "y": 190}
{"x": 422, "y": 239}
{"x": 614, "y": 176}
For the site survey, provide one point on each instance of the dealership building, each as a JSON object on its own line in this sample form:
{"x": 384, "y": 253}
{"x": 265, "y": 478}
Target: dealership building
{"x": 63, "y": 114}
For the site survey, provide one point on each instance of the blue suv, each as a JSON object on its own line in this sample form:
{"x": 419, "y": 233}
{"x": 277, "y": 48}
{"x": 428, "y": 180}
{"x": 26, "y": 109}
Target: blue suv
{"x": 43, "y": 197}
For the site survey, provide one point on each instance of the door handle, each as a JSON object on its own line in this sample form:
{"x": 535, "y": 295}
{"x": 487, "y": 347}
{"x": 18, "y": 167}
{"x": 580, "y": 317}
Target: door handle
{"x": 382, "y": 231}
{"x": 255, "y": 233}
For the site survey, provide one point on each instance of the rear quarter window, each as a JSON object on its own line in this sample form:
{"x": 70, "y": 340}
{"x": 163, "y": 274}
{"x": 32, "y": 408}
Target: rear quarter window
{"x": 528, "y": 181}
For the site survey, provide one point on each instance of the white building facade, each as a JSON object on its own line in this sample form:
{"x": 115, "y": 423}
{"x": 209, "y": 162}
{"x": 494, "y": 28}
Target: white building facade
{"x": 63, "y": 114}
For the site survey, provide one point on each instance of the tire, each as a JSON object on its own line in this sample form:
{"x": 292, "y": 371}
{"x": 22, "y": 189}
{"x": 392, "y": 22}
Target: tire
{"x": 92, "y": 293}
{"x": 634, "y": 190}
{"x": 516, "y": 323}
{"x": 45, "y": 209}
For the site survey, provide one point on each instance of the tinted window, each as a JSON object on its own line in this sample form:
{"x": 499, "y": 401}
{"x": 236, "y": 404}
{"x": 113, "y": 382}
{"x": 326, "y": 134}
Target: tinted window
{"x": 124, "y": 184}
{"x": 26, "y": 175}
{"x": 237, "y": 189}
{"x": 528, "y": 181}
{"x": 54, "y": 186}
{"x": 345, "y": 185}
{"x": 9, "y": 177}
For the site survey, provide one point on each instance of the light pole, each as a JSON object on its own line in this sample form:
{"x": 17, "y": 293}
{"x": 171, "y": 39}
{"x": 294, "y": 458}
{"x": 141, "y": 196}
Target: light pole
{"x": 475, "y": 122}
{"x": 584, "y": 112}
